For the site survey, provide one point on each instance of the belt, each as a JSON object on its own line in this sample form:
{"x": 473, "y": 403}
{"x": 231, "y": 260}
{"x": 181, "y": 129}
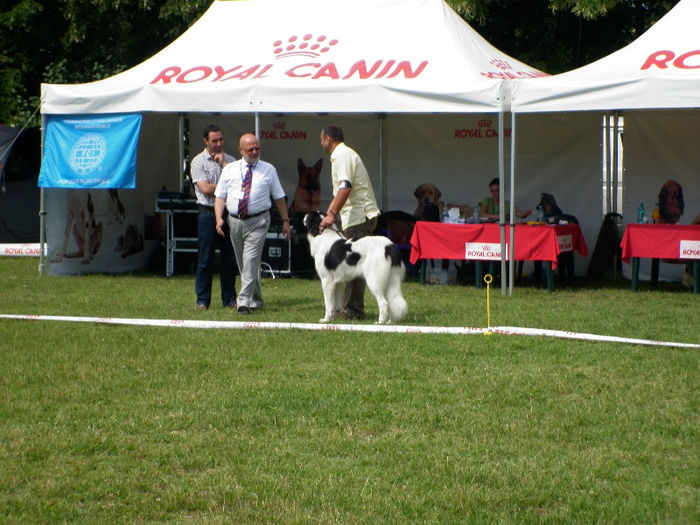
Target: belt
{"x": 250, "y": 216}
{"x": 204, "y": 207}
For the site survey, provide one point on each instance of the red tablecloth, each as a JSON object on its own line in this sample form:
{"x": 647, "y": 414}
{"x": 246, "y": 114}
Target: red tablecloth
{"x": 435, "y": 240}
{"x": 661, "y": 241}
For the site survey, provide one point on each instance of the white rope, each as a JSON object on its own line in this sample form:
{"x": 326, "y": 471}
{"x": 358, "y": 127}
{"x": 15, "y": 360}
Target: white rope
{"x": 373, "y": 328}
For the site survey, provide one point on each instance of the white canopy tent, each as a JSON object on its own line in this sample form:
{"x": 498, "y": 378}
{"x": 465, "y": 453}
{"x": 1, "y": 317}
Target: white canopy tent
{"x": 383, "y": 56}
{"x": 659, "y": 70}
{"x": 653, "y": 87}
{"x": 387, "y": 70}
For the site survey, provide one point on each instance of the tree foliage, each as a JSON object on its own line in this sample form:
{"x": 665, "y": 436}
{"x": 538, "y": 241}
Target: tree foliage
{"x": 560, "y": 35}
{"x": 75, "y": 41}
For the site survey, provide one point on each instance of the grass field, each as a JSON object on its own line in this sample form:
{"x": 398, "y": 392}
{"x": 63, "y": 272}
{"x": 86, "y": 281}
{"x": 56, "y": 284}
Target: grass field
{"x": 119, "y": 424}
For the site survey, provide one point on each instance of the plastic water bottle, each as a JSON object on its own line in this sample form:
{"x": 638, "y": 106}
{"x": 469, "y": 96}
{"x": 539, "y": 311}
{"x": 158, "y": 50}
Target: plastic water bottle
{"x": 540, "y": 213}
{"x": 445, "y": 215}
{"x": 641, "y": 212}
{"x": 475, "y": 216}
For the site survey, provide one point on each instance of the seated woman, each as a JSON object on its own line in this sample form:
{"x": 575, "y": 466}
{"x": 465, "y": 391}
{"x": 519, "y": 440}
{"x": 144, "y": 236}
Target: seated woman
{"x": 489, "y": 207}
{"x": 565, "y": 261}
{"x": 552, "y": 212}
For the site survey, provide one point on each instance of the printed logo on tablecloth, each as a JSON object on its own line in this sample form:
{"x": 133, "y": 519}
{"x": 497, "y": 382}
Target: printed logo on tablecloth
{"x": 483, "y": 251}
{"x": 566, "y": 243}
{"x": 690, "y": 249}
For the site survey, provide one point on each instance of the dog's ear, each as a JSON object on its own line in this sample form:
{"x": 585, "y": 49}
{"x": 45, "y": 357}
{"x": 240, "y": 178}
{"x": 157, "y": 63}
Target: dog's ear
{"x": 438, "y": 193}
{"x": 314, "y": 226}
{"x": 318, "y": 165}
{"x": 419, "y": 191}
{"x": 300, "y": 166}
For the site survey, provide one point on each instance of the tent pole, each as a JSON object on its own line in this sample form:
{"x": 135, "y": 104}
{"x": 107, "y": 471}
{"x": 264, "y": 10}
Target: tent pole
{"x": 501, "y": 204}
{"x": 42, "y": 210}
{"x": 615, "y": 178}
{"x": 511, "y": 269}
{"x": 181, "y": 149}
{"x": 257, "y": 124}
{"x": 382, "y": 191}
{"x": 606, "y": 162}
{"x": 505, "y": 107}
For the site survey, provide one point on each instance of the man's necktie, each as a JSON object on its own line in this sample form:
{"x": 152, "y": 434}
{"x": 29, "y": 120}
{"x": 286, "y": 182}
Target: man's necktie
{"x": 245, "y": 188}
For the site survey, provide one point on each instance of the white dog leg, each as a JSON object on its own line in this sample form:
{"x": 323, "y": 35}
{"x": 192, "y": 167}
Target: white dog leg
{"x": 329, "y": 299}
{"x": 383, "y": 305}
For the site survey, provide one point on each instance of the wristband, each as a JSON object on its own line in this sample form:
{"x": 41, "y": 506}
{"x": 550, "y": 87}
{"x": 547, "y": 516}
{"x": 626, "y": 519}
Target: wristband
{"x": 285, "y": 220}
{"x": 331, "y": 212}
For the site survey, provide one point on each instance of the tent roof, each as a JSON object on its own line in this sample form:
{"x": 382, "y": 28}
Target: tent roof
{"x": 311, "y": 56}
{"x": 661, "y": 69}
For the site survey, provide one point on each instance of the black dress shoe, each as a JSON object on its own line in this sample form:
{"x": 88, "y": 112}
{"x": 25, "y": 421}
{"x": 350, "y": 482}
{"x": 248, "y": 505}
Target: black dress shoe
{"x": 243, "y": 310}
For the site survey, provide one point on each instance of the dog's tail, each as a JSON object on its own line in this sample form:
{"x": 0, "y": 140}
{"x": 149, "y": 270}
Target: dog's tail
{"x": 398, "y": 308}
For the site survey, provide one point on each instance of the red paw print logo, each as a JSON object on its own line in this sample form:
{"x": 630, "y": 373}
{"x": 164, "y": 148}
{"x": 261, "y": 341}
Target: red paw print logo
{"x": 307, "y": 45}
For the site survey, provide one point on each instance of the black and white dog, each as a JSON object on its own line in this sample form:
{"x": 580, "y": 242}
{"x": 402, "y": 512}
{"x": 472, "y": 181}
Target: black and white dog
{"x": 339, "y": 260}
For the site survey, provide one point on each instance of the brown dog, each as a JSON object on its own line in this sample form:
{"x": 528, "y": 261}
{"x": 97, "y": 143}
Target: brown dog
{"x": 431, "y": 193}
{"x": 671, "y": 204}
{"x": 307, "y": 195}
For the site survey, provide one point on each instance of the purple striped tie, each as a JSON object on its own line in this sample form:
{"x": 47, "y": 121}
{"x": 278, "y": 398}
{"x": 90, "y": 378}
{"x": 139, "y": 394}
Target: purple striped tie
{"x": 245, "y": 187}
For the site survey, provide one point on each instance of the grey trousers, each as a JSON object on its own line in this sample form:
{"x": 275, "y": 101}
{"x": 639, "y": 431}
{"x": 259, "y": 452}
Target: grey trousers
{"x": 248, "y": 239}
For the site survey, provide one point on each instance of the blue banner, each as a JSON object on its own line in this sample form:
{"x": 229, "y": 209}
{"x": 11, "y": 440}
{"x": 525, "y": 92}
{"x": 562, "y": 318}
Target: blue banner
{"x": 90, "y": 152}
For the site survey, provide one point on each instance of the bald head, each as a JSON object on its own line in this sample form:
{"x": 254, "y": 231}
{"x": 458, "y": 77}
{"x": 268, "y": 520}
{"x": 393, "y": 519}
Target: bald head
{"x": 249, "y": 148}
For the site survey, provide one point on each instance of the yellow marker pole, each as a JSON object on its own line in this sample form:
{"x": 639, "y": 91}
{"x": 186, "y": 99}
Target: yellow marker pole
{"x": 487, "y": 280}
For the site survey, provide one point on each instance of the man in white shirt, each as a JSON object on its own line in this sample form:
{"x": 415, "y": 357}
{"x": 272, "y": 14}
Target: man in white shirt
{"x": 353, "y": 201}
{"x": 245, "y": 189}
{"x": 205, "y": 171}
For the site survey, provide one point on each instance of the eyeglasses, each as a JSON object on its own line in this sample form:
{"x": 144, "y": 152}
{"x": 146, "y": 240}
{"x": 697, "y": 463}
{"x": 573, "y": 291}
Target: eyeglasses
{"x": 250, "y": 150}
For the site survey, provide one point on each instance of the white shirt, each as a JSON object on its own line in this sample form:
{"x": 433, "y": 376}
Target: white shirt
{"x": 204, "y": 167}
{"x": 361, "y": 205}
{"x": 265, "y": 185}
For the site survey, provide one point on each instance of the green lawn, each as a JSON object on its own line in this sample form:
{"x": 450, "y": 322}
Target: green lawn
{"x": 121, "y": 424}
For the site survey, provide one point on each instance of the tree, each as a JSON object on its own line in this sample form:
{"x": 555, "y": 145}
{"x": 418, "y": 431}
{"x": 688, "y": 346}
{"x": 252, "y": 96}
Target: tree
{"x": 74, "y": 41}
{"x": 560, "y": 35}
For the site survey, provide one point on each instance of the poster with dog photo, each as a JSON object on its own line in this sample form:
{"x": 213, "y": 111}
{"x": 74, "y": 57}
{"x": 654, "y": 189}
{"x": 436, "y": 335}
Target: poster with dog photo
{"x": 114, "y": 230}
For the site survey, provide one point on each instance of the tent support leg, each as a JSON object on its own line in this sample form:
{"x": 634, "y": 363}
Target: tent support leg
{"x": 511, "y": 268}
{"x": 181, "y": 150}
{"x": 501, "y": 205}
{"x": 42, "y": 211}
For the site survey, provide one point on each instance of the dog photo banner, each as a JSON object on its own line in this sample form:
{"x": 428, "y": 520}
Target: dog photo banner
{"x": 90, "y": 152}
